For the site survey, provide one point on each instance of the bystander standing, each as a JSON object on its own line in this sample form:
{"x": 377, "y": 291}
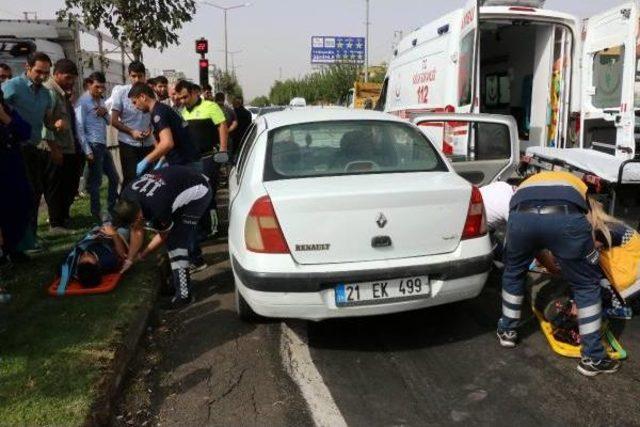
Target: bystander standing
{"x": 134, "y": 126}
{"x": 25, "y": 94}
{"x": 244, "y": 119}
{"x": 62, "y": 173}
{"x": 92, "y": 123}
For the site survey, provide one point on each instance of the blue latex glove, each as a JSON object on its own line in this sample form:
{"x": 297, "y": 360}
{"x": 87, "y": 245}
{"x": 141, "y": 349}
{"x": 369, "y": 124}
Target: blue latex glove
{"x": 160, "y": 164}
{"x": 142, "y": 166}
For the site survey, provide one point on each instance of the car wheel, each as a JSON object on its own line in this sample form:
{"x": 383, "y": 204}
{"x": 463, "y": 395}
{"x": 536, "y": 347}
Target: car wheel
{"x": 243, "y": 309}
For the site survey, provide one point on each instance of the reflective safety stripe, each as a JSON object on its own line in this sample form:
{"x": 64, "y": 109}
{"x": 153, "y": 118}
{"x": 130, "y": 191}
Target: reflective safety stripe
{"x": 556, "y": 178}
{"x": 589, "y": 328}
{"x": 176, "y": 265}
{"x": 512, "y": 299}
{"x": 178, "y": 252}
{"x": 511, "y": 314}
{"x": 592, "y": 310}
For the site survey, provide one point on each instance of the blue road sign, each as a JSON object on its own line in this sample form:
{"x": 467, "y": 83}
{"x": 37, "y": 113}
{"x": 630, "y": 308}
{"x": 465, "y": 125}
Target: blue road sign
{"x": 337, "y": 49}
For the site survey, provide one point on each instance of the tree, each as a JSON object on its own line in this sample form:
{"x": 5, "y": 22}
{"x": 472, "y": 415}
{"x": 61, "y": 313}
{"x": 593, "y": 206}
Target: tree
{"x": 228, "y": 84}
{"x": 260, "y": 101}
{"x": 326, "y": 86}
{"x": 135, "y": 23}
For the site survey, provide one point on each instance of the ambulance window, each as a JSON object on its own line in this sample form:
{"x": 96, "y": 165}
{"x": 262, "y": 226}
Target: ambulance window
{"x": 465, "y": 70}
{"x": 607, "y": 77}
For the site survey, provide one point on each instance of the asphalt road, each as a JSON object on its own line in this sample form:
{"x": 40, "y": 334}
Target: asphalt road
{"x": 439, "y": 366}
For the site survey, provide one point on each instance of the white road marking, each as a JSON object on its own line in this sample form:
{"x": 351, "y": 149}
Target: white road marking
{"x": 297, "y": 361}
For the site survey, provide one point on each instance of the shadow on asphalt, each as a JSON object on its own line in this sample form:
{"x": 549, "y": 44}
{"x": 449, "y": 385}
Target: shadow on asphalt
{"x": 429, "y": 327}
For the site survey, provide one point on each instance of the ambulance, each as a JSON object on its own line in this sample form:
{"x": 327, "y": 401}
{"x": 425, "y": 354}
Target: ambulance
{"x": 572, "y": 86}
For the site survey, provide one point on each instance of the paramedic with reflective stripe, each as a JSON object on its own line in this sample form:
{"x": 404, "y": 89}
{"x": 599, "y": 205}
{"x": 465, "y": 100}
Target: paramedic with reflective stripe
{"x": 208, "y": 130}
{"x": 171, "y": 200}
{"x": 548, "y": 212}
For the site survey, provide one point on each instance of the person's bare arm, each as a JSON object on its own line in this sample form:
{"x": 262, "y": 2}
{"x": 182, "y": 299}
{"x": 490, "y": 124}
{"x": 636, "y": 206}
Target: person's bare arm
{"x": 154, "y": 244}
{"x": 116, "y": 122}
{"x": 135, "y": 243}
{"x": 165, "y": 144}
{"x": 223, "y": 131}
{"x": 118, "y": 242}
{"x": 234, "y": 125}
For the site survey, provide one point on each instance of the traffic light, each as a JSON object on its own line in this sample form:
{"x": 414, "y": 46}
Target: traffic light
{"x": 202, "y": 46}
{"x": 203, "y": 64}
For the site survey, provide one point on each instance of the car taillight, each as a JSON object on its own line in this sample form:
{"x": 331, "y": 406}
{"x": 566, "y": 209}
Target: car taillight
{"x": 476, "y": 223}
{"x": 262, "y": 231}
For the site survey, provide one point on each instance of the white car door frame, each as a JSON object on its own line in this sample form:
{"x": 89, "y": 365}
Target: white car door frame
{"x": 480, "y": 172}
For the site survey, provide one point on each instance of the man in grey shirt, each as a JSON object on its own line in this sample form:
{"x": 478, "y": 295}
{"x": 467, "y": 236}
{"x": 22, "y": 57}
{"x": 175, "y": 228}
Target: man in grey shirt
{"x": 134, "y": 126}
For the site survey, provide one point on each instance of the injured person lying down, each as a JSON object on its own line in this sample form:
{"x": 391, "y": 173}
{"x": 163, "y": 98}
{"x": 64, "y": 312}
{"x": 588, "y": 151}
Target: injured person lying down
{"x": 102, "y": 251}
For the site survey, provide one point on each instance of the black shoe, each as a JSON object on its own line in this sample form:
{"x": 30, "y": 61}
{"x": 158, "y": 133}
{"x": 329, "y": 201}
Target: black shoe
{"x": 197, "y": 267}
{"x": 507, "y": 339}
{"x": 167, "y": 290}
{"x": 176, "y": 303}
{"x": 591, "y": 368}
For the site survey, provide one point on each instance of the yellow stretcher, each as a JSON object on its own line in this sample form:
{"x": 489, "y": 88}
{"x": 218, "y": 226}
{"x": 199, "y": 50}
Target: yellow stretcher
{"x": 611, "y": 344}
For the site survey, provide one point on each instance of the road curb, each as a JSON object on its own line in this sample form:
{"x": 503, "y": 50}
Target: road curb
{"x": 112, "y": 377}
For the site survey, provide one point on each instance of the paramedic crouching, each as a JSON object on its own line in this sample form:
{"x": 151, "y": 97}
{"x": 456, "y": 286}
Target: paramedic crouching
{"x": 548, "y": 212}
{"x": 171, "y": 201}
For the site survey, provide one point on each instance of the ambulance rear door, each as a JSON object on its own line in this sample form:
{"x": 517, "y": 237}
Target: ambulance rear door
{"x": 608, "y": 81}
{"x": 467, "y": 59}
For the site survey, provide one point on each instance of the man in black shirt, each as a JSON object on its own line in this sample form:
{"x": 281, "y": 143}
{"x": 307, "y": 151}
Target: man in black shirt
{"x": 169, "y": 130}
{"x": 171, "y": 201}
{"x": 244, "y": 121}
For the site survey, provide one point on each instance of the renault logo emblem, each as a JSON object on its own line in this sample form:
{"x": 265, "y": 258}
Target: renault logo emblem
{"x": 381, "y": 221}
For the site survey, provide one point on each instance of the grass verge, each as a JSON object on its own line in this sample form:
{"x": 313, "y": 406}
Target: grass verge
{"x": 54, "y": 351}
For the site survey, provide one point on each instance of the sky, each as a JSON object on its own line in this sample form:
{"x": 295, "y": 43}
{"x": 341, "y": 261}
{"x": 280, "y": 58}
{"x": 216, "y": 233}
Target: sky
{"x": 273, "y": 37}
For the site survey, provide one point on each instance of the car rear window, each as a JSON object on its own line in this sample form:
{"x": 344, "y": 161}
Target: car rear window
{"x": 348, "y": 148}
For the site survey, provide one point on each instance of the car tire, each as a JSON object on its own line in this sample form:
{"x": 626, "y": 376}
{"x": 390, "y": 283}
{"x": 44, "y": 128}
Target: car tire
{"x": 243, "y": 309}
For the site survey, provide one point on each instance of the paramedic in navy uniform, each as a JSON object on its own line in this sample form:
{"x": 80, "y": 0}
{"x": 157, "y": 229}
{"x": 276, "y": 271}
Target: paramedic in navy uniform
{"x": 169, "y": 129}
{"x": 170, "y": 201}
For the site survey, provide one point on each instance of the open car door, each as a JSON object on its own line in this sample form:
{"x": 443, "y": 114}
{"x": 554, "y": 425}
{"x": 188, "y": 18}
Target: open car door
{"x": 467, "y": 58}
{"x": 487, "y": 146}
{"x": 609, "y": 64}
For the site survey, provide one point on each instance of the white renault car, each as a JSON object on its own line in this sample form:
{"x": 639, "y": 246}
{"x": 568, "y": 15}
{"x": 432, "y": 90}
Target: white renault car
{"x": 339, "y": 212}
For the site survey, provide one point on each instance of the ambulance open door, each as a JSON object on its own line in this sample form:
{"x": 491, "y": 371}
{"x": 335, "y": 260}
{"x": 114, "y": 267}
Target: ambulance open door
{"x": 609, "y": 69}
{"x": 467, "y": 59}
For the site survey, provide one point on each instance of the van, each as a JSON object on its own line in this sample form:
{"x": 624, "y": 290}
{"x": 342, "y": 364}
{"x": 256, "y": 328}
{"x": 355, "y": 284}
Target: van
{"x": 567, "y": 83}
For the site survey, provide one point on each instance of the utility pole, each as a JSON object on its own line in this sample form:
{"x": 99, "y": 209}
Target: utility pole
{"x": 366, "y": 47}
{"x": 226, "y": 44}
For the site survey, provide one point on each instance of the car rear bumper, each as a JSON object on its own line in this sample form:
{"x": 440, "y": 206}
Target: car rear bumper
{"x": 321, "y": 304}
{"x": 308, "y": 292}
{"x": 303, "y": 282}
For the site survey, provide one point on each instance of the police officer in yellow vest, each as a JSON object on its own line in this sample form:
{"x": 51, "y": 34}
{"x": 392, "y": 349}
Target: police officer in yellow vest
{"x": 208, "y": 129}
{"x": 548, "y": 212}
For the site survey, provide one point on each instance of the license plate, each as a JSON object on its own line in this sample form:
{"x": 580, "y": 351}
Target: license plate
{"x": 382, "y": 291}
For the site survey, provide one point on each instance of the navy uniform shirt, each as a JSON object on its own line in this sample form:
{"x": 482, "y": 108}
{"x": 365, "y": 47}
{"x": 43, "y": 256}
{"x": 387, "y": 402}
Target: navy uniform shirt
{"x": 184, "y": 151}
{"x": 164, "y": 191}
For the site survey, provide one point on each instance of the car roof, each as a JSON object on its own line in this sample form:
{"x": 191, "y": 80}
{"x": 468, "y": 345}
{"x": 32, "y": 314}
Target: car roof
{"x": 323, "y": 114}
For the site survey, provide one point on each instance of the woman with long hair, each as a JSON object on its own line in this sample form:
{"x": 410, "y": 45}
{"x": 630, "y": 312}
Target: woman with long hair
{"x": 610, "y": 232}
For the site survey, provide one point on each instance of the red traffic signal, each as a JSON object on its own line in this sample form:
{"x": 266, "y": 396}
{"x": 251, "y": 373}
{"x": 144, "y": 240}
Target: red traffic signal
{"x": 202, "y": 46}
{"x": 203, "y": 63}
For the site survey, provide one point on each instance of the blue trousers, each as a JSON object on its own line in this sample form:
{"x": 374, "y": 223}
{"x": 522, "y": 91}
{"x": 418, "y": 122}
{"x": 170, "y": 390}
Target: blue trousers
{"x": 102, "y": 165}
{"x": 569, "y": 238}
